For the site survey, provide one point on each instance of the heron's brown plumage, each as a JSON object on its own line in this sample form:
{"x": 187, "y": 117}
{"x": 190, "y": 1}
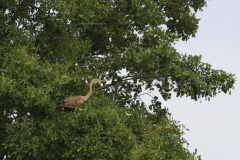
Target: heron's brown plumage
{"x": 74, "y": 102}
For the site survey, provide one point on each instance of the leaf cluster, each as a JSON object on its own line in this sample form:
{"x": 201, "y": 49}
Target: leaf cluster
{"x": 101, "y": 130}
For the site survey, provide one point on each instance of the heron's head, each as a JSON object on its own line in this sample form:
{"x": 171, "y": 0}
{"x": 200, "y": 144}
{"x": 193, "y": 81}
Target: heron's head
{"x": 97, "y": 80}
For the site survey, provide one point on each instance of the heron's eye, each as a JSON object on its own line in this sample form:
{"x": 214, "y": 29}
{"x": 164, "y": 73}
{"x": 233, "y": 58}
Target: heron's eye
{"x": 63, "y": 101}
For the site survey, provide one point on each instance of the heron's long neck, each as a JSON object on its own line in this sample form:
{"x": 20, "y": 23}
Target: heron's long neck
{"x": 90, "y": 91}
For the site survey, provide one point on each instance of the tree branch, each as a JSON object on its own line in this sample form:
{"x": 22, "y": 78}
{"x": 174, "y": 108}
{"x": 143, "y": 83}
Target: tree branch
{"x": 106, "y": 86}
{"x": 129, "y": 77}
{"x": 136, "y": 97}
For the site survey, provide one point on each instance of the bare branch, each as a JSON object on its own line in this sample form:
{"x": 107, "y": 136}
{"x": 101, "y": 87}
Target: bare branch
{"x": 146, "y": 93}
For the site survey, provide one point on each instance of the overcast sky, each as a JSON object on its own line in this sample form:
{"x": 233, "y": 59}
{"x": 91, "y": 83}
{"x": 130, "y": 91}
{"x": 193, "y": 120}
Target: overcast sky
{"x": 214, "y": 125}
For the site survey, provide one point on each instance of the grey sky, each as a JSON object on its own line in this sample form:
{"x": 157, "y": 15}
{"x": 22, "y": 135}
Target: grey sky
{"x": 214, "y": 125}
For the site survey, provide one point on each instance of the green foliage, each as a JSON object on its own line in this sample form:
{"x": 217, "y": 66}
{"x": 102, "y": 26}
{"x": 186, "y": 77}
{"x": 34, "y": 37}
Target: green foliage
{"x": 102, "y": 130}
{"x": 50, "y": 49}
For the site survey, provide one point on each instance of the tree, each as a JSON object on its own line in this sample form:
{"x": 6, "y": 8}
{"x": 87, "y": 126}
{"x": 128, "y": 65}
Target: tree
{"x": 50, "y": 50}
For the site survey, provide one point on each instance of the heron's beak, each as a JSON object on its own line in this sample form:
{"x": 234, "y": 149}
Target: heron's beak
{"x": 102, "y": 80}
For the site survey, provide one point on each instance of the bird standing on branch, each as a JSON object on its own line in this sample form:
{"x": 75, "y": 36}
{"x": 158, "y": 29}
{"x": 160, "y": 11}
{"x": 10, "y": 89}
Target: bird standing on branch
{"x": 74, "y": 102}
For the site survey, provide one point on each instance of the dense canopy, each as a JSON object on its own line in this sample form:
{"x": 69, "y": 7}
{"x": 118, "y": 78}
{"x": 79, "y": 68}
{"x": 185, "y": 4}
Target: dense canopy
{"x": 51, "y": 49}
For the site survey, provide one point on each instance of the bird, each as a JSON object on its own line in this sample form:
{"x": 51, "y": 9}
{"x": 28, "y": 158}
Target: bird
{"x": 74, "y": 102}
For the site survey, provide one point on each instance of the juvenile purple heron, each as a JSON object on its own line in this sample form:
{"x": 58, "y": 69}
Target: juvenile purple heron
{"x": 74, "y": 102}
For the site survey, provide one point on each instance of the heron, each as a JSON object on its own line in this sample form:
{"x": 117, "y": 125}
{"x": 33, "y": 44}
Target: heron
{"x": 74, "y": 102}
